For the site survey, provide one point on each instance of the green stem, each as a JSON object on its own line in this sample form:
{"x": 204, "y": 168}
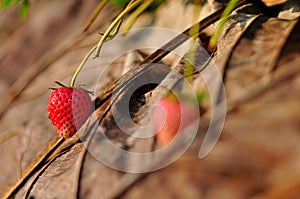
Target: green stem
{"x": 114, "y": 23}
{"x": 116, "y": 30}
{"x": 118, "y": 26}
{"x": 215, "y": 37}
{"x": 132, "y": 18}
{"x": 81, "y": 65}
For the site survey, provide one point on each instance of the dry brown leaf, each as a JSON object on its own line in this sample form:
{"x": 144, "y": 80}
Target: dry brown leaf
{"x": 58, "y": 179}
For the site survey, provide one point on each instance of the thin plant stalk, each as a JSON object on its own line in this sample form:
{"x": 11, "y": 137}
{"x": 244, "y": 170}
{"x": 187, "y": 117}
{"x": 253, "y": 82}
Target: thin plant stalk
{"x": 81, "y": 66}
{"x": 132, "y": 18}
{"x": 114, "y": 24}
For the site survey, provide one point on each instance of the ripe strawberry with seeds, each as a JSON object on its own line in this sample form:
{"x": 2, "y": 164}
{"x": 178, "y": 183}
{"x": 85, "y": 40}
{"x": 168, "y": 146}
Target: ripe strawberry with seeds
{"x": 68, "y": 109}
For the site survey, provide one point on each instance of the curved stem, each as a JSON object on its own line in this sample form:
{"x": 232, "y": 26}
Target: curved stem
{"x": 114, "y": 23}
{"x": 81, "y": 65}
{"x": 132, "y": 18}
{"x": 105, "y": 35}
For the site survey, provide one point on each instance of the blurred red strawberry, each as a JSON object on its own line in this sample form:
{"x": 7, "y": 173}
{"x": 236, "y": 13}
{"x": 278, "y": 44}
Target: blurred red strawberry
{"x": 169, "y": 114}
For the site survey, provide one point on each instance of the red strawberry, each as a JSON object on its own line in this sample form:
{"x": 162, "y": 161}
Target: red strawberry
{"x": 168, "y": 118}
{"x": 68, "y": 109}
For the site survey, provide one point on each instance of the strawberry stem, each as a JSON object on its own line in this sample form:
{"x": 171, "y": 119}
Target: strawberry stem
{"x": 132, "y": 18}
{"x": 81, "y": 65}
{"x": 114, "y": 24}
{"x": 104, "y": 37}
